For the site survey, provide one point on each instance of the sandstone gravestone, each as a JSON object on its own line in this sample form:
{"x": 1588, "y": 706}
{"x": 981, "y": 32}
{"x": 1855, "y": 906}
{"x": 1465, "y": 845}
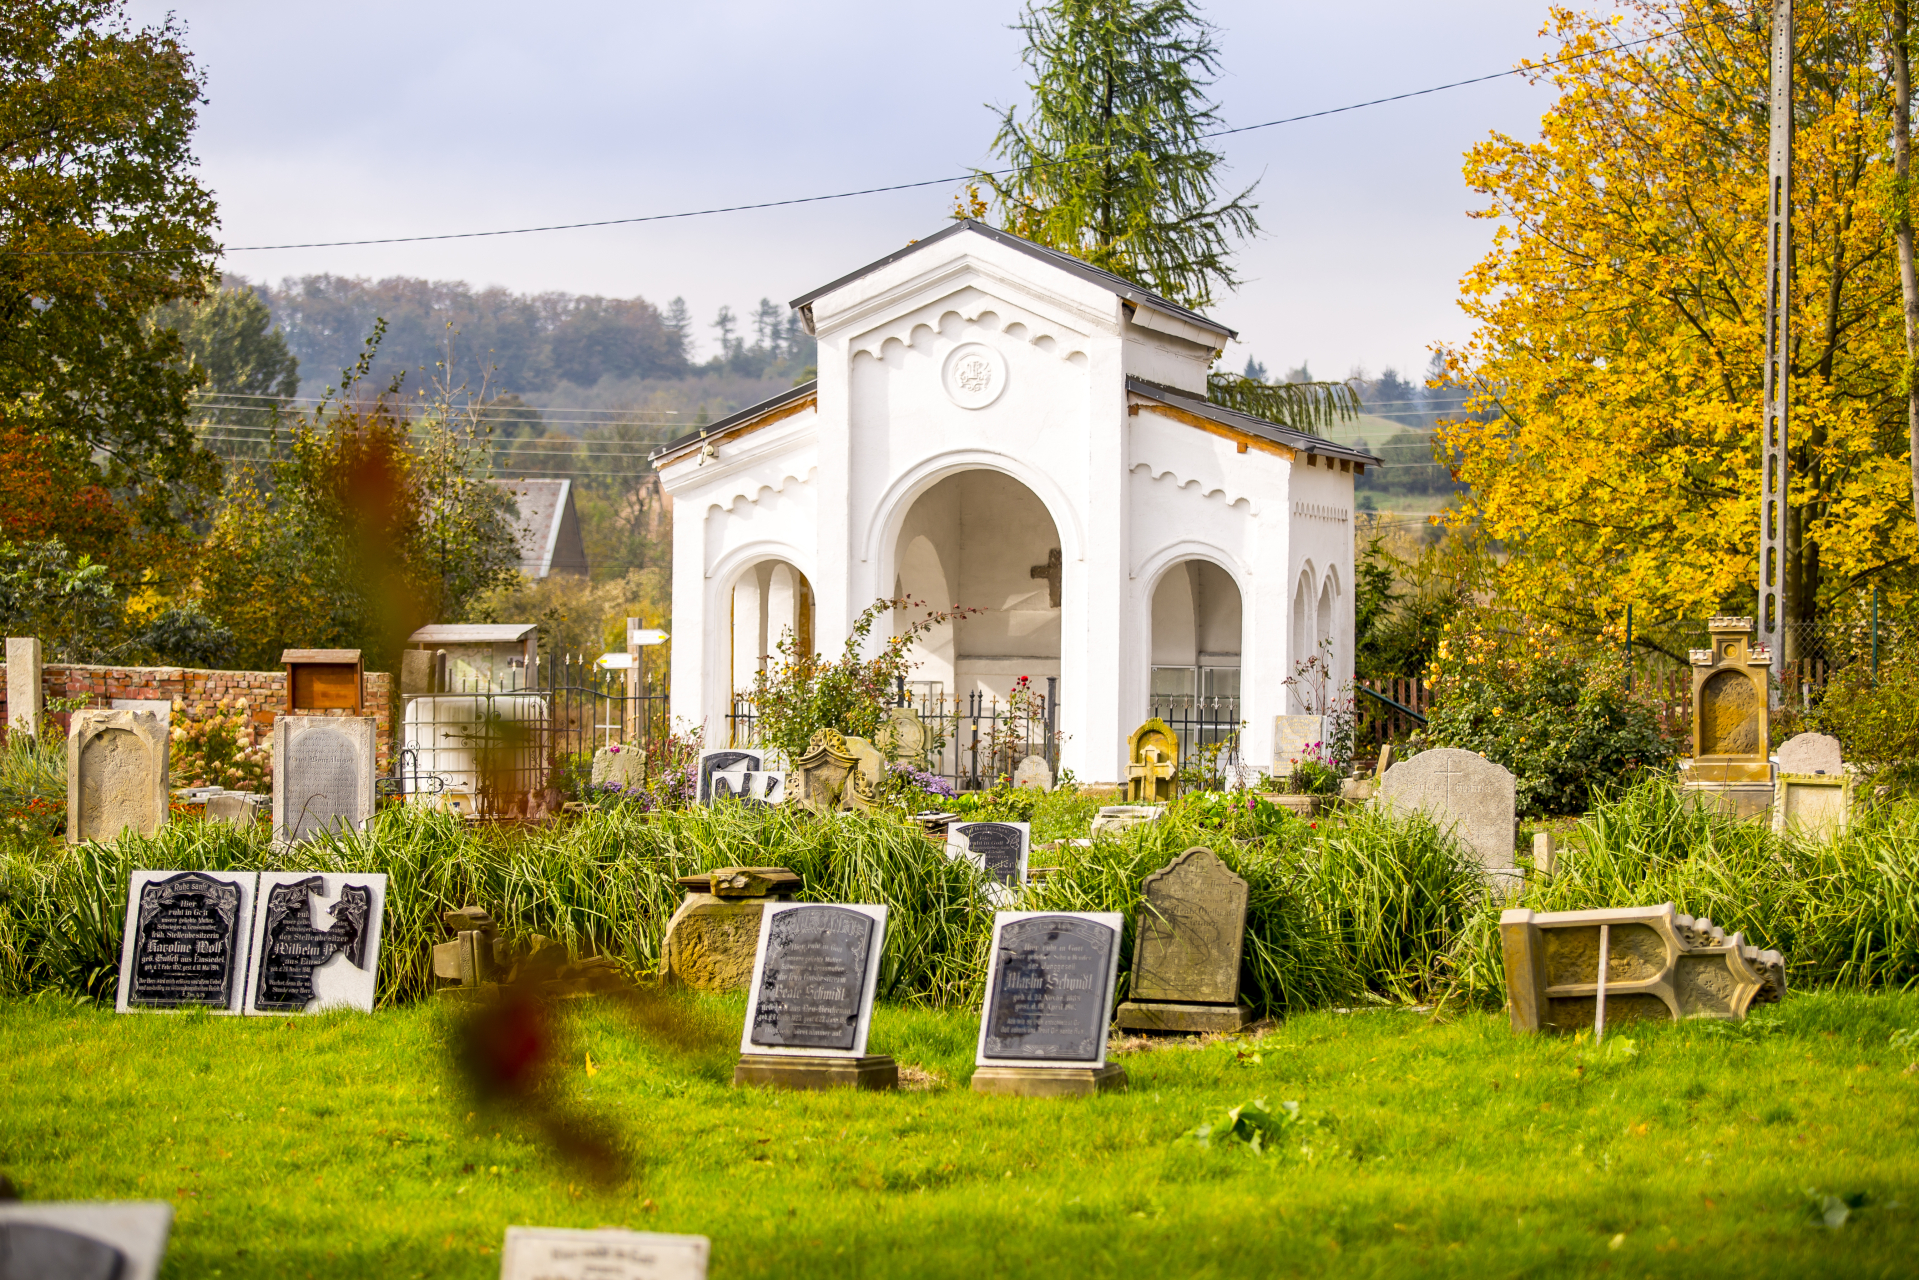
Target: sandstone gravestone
{"x": 185, "y": 940}
{"x": 1033, "y": 772}
{"x": 316, "y": 942}
{"x": 833, "y": 773}
{"x": 84, "y": 1240}
{"x": 903, "y": 737}
{"x": 1813, "y": 753}
{"x": 1152, "y": 754}
{"x": 553, "y": 1253}
{"x": 1291, "y": 736}
{"x": 236, "y": 808}
{"x": 117, "y": 774}
{"x": 1186, "y": 952}
{"x": 619, "y": 766}
{"x": 810, "y": 1001}
{"x": 724, "y": 760}
{"x": 1572, "y": 970}
{"x": 1049, "y": 1000}
{"x": 1817, "y": 806}
{"x": 1112, "y": 819}
{"x": 711, "y": 940}
{"x": 322, "y": 775}
{"x": 475, "y": 953}
{"x": 1000, "y": 849}
{"x": 1731, "y": 767}
{"x": 25, "y": 691}
{"x": 1463, "y": 792}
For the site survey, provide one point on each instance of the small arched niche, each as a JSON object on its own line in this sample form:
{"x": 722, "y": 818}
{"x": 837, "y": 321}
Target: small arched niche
{"x": 1196, "y": 643}
{"x": 770, "y": 600}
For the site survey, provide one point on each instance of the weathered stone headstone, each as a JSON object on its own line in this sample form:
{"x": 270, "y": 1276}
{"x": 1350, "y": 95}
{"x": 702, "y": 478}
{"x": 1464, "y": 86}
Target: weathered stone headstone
{"x": 1186, "y": 952}
{"x": 237, "y": 808}
{"x": 26, "y": 696}
{"x": 553, "y": 1253}
{"x": 903, "y": 737}
{"x": 1572, "y": 970}
{"x": 620, "y": 766}
{"x": 1000, "y": 849}
{"x": 1152, "y": 754}
{"x": 1813, "y": 753}
{"x": 473, "y": 954}
{"x": 185, "y": 941}
{"x": 833, "y": 774}
{"x": 1112, "y": 819}
{"x": 117, "y": 772}
{"x": 810, "y": 1003}
{"x": 83, "y": 1240}
{"x": 1049, "y": 1000}
{"x": 1291, "y": 736}
{"x": 1033, "y": 772}
{"x": 711, "y": 939}
{"x": 1730, "y": 767}
{"x": 316, "y": 942}
{"x": 1815, "y": 805}
{"x": 724, "y": 760}
{"x": 322, "y": 775}
{"x": 1463, "y": 792}
{"x": 1545, "y": 853}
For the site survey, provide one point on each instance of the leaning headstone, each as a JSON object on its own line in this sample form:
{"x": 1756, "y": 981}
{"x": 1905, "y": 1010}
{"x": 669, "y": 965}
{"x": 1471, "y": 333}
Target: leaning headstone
{"x": 833, "y": 773}
{"x": 1033, "y": 772}
{"x": 1000, "y": 849}
{"x": 555, "y": 1253}
{"x": 25, "y": 693}
{"x": 1113, "y": 819}
{"x": 316, "y": 942}
{"x": 83, "y": 1240}
{"x": 117, "y": 774}
{"x": 1463, "y": 792}
{"x": 1292, "y": 735}
{"x": 185, "y": 941}
{"x": 1049, "y": 1000}
{"x": 236, "y": 808}
{"x": 322, "y": 775}
{"x": 903, "y": 736}
{"x": 1574, "y": 970}
{"x": 810, "y": 1002}
{"x": 1186, "y": 950}
{"x": 730, "y": 760}
{"x": 711, "y": 939}
{"x": 1813, "y": 753}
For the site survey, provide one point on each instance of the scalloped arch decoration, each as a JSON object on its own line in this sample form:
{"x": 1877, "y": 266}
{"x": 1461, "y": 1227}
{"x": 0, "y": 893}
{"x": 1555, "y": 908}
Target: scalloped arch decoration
{"x": 910, "y": 333}
{"x": 1157, "y": 473}
{"x": 752, "y": 494}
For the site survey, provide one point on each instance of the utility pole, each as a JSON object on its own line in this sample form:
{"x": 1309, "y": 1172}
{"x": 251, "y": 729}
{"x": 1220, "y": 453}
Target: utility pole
{"x": 1774, "y": 479}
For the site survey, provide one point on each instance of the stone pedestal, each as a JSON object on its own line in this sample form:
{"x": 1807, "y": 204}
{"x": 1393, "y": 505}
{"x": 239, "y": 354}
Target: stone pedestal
{"x": 711, "y": 939}
{"x": 1183, "y": 1019}
{"x": 786, "y": 1071}
{"x": 1733, "y": 799}
{"x": 1049, "y": 1082}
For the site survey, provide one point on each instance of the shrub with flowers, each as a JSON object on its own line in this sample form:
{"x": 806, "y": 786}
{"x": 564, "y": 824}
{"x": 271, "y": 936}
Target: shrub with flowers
{"x": 221, "y": 751}
{"x": 669, "y": 773}
{"x": 1314, "y": 774}
{"x": 1560, "y": 718}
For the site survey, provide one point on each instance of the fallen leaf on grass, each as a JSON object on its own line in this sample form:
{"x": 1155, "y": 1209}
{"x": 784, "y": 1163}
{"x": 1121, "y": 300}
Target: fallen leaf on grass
{"x": 920, "y": 1079}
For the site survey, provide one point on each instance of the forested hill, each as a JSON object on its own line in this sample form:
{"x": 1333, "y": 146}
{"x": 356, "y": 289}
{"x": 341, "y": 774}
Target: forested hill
{"x": 534, "y": 345}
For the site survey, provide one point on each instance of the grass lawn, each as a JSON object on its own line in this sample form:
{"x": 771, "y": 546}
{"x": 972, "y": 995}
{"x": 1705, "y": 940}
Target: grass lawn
{"x": 344, "y": 1146}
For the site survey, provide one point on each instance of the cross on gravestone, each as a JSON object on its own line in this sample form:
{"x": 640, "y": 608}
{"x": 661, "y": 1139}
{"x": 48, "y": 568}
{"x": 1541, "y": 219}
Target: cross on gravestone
{"x": 1050, "y": 571}
{"x": 1449, "y": 774}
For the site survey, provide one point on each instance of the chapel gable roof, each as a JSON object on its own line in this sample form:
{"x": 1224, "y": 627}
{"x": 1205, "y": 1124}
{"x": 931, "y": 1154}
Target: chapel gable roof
{"x": 1119, "y": 285}
{"x": 786, "y": 403}
{"x": 1291, "y": 437}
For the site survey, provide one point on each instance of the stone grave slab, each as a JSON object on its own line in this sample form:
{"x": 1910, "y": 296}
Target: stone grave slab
{"x": 1816, "y": 805}
{"x": 1033, "y": 772}
{"x": 556, "y": 1253}
{"x": 316, "y": 942}
{"x": 713, "y": 937}
{"x": 237, "y": 808}
{"x": 1813, "y": 753}
{"x": 1152, "y": 758}
{"x": 1462, "y": 792}
{"x": 1186, "y": 953}
{"x": 1113, "y": 819}
{"x": 1049, "y": 1001}
{"x": 1573, "y": 970}
{"x": 117, "y": 774}
{"x": 810, "y": 1003}
{"x": 1000, "y": 849}
{"x": 322, "y": 775}
{"x": 185, "y": 940}
{"x": 1291, "y": 736}
{"x": 84, "y": 1240}
{"x": 724, "y": 760}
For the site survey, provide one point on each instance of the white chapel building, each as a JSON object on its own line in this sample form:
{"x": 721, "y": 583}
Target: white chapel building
{"x": 1000, "y": 426}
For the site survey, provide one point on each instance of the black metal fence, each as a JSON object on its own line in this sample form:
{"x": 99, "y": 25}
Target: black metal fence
{"x": 1208, "y": 729}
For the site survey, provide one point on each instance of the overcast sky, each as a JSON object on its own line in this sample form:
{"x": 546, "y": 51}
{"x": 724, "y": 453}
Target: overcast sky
{"x": 353, "y": 119}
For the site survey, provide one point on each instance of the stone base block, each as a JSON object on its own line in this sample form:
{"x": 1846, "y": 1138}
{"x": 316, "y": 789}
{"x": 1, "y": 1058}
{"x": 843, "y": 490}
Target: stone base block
{"x": 1734, "y": 799}
{"x": 1182, "y": 1019}
{"x": 1049, "y": 1082}
{"x": 874, "y": 1071}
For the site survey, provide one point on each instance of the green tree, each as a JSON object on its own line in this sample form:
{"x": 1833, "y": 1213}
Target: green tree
{"x": 232, "y": 341}
{"x": 1110, "y": 162}
{"x": 101, "y": 220}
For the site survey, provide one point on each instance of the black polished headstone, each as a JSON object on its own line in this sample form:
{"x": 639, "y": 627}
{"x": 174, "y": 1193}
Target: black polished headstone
{"x": 997, "y": 845}
{"x": 35, "y": 1251}
{"x": 1049, "y": 995}
{"x": 186, "y": 942}
{"x": 813, "y": 979}
{"x": 713, "y": 762}
{"x": 292, "y": 948}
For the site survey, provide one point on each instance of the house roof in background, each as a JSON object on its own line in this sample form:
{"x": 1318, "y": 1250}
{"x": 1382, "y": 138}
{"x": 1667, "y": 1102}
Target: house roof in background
{"x": 542, "y": 504}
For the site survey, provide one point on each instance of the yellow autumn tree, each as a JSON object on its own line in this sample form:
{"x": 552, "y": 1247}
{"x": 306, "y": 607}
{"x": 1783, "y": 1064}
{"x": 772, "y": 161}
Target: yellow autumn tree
{"x": 1620, "y": 325}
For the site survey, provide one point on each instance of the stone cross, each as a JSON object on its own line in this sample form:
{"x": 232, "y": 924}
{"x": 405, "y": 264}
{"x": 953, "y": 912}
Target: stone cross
{"x": 1050, "y": 571}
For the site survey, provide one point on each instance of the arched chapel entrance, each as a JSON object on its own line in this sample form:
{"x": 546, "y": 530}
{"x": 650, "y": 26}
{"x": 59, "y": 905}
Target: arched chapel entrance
{"x": 1197, "y": 624}
{"x": 769, "y": 599}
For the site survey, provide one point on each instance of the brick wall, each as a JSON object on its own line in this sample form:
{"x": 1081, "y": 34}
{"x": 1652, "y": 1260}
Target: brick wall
{"x": 201, "y": 692}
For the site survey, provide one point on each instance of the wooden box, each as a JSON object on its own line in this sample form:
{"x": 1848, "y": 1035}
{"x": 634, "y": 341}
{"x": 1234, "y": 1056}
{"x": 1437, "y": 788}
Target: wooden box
{"x": 323, "y": 680}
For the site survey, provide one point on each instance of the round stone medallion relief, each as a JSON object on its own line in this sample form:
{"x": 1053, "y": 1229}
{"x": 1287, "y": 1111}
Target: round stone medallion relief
{"x": 975, "y": 374}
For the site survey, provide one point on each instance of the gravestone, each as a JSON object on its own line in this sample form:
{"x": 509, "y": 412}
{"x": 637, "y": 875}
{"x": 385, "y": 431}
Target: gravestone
{"x": 1813, "y": 753}
{"x": 1000, "y": 849}
{"x": 1112, "y": 819}
{"x": 724, "y": 760}
{"x": 185, "y": 940}
{"x": 1049, "y": 1000}
{"x": 1291, "y": 736}
{"x": 1574, "y": 970}
{"x": 1731, "y": 768}
{"x": 1464, "y": 793}
{"x": 26, "y": 694}
{"x": 83, "y": 1240}
{"x": 833, "y": 773}
{"x": 1545, "y": 853}
{"x": 474, "y": 954}
{"x": 753, "y": 787}
{"x": 117, "y": 774}
{"x": 316, "y": 942}
{"x": 810, "y": 1001}
{"x": 555, "y": 1253}
{"x": 903, "y": 737}
{"x": 236, "y": 808}
{"x": 620, "y": 766}
{"x": 322, "y": 775}
{"x": 712, "y": 938}
{"x": 1152, "y": 754}
{"x": 1817, "y": 806}
{"x": 1033, "y": 772}
{"x": 1186, "y": 950}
